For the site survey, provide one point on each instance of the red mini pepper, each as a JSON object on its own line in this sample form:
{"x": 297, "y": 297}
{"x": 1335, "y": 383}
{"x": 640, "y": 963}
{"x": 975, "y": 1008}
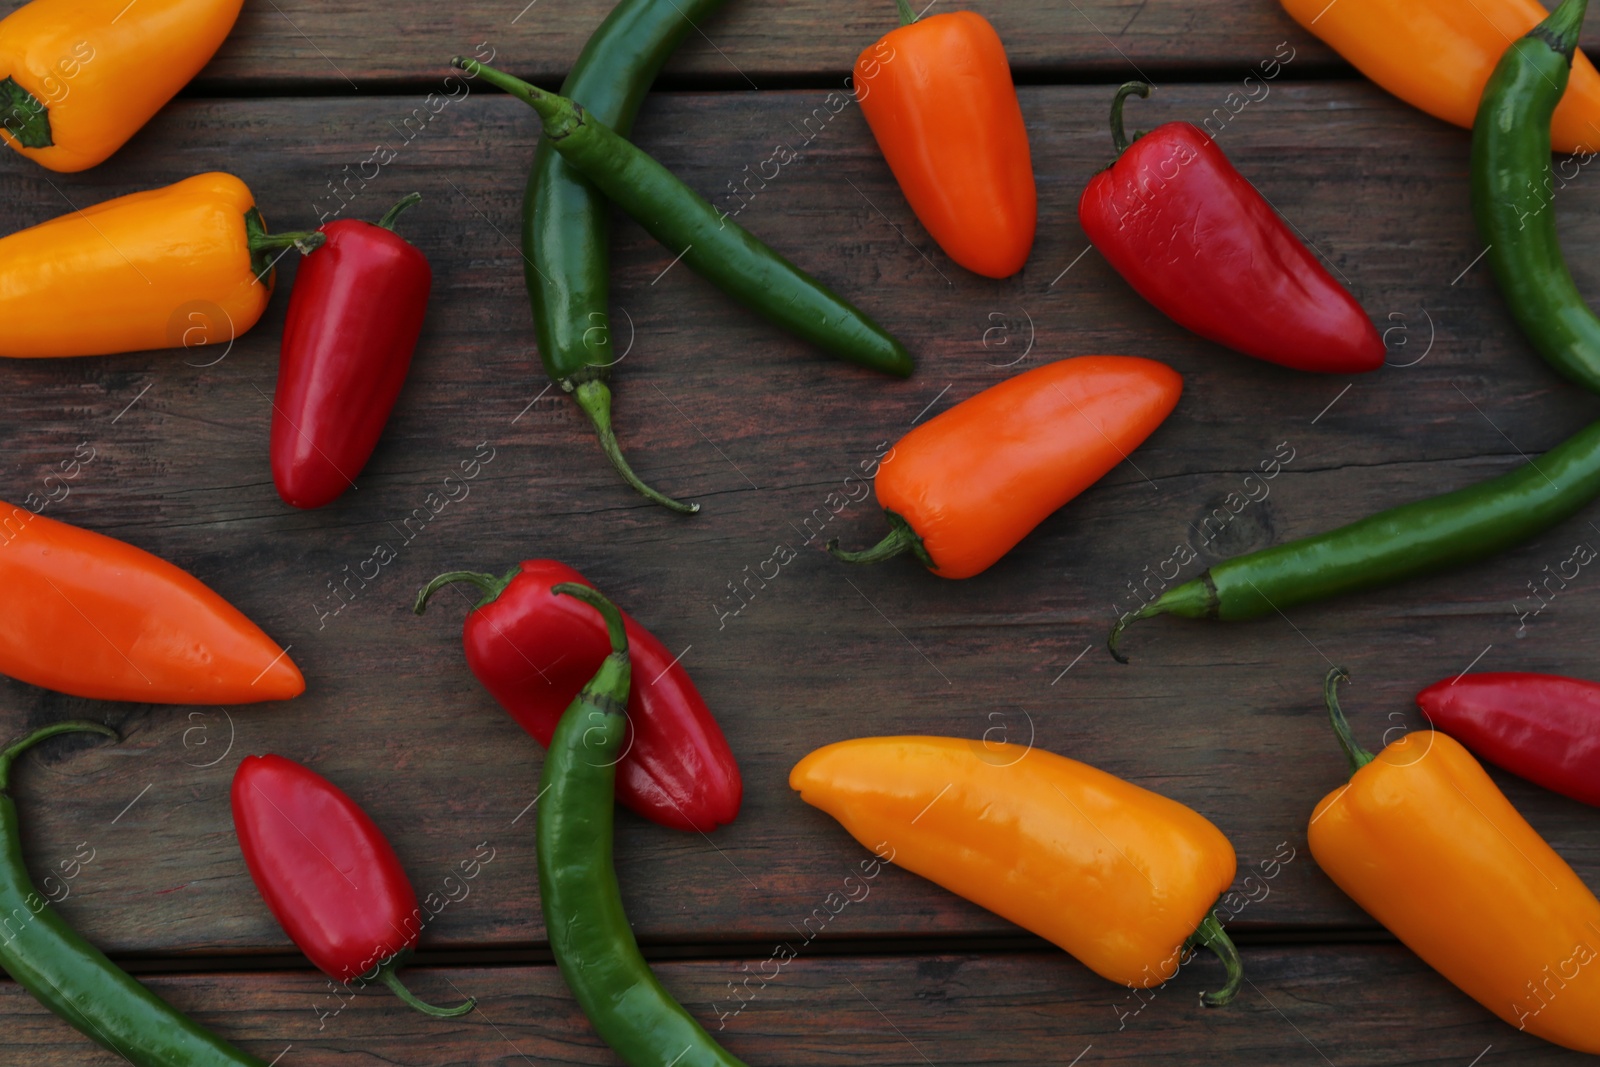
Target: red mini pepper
{"x": 329, "y": 875}
{"x": 534, "y": 650}
{"x": 1542, "y": 727}
{"x": 938, "y": 96}
{"x": 1197, "y": 240}
{"x": 354, "y": 319}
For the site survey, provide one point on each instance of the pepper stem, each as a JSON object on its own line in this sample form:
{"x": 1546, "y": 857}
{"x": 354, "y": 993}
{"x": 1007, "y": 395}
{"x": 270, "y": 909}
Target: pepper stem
{"x": 594, "y": 397}
{"x": 73, "y": 726}
{"x": 901, "y": 539}
{"x": 262, "y": 244}
{"x": 24, "y": 117}
{"x": 1119, "y": 136}
{"x": 1358, "y": 756}
{"x": 389, "y": 217}
{"x": 558, "y": 113}
{"x": 1561, "y": 28}
{"x": 492, "y": 587}
{"x": 596, "y": 600}
{"x": 907, "y": 16}
{"x": 1113, "y": 641}
{"x": 1210, "y": 934}
{"x": 386, "y": 972}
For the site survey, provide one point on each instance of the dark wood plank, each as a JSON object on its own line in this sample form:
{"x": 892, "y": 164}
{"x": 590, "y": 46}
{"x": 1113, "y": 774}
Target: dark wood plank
{"x": 348, "y": 43}
{"x": 1359, "y": 1004}
{"x": 716, "y": 406}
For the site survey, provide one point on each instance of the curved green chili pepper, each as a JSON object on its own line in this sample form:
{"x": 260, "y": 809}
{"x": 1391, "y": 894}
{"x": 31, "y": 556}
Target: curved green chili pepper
{"x": 1513, "y": 196}
{"x": 707, "y": 240}
{"x": 1391, "y": 546}
{"x": 589, "y": 932}
{"x": 566, "y": 221}
{"x": 73, "y": 978}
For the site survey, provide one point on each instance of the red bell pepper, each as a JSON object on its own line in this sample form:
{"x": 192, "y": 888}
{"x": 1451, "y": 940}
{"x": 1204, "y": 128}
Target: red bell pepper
{"x": 1542, "y": 727}
{"x": 1197, "y": 240}
{"x": 534, "y": 650}
{"x": 328, "y": 874}
{"x": 354, "y": 319}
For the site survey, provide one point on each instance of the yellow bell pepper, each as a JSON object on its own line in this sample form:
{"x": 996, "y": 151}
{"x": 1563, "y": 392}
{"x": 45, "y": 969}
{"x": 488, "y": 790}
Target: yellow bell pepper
{"x": 80, "y": 77}
{"x": 1423, "y": 840}
{"x": 1121, "y": 878}
{"x": 184, "y": 265}
{"x": 1438, "y": 54}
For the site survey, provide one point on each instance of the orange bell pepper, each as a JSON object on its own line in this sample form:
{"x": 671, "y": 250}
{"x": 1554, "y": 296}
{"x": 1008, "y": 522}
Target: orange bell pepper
{"x": 1425, "y": 842}
{"x": 964, "y": 487}
{"x": 1119, "y": 877}
{"x": 89, "y": 615}
{"x": 938, "y": 96}
{"x": 185, "y": 265}
{"x": 80, "y": 77}
{"x": 1437, "y": 55}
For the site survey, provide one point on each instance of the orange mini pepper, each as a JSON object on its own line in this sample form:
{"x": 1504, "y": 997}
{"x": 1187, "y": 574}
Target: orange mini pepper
{"x": 80, "y": 77}
{"x": 1423, "y": 840}
{"x": 1437, "y": 55}
{"x": 938, "y": 96}
{"x": 185, "y": 265}
{"x": 1119, "y": 877}
{"x": 964, "y": 487}
{"x": 89, "y": 615}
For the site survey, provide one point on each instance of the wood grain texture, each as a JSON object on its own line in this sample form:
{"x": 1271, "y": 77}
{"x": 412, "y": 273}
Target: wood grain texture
{"x": 714, "y": 405}
{"x": 348, "y": 43}
{"x": 1360, "y": 1004}
{"x": 349, "y": 47}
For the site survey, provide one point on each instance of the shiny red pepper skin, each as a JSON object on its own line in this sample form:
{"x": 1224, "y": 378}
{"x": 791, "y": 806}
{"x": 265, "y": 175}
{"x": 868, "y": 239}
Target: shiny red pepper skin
{"x": 354, "y": 318}
{"x": 1197, "y": 240}
{"x": 1542, "y": 727}
{"x": 534, "y": 650}
{"x": 327, "y": 873}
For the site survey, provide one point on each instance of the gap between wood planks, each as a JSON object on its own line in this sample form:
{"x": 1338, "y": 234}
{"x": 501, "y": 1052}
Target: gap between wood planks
{"x": 1264, "y": 936}
{"x": 1110, "y": 72}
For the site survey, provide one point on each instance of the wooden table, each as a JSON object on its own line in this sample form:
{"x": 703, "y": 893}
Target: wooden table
{"x": 717, "y": 406}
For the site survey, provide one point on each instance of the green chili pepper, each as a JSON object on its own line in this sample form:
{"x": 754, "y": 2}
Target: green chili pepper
{"x": 73, "y": 978}
{"x": 706, "y": 239}
{"x": 589, "y": 932}
{"x": 566, "y": 221}
{"x": 1391, "y": 546}
{"x": 1513, "y": 195}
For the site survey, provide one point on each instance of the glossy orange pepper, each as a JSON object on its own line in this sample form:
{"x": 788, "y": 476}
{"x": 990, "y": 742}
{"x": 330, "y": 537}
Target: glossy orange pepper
{"x": 1437, "y": 55}
{"x": 1119, "y": 877}
{"x": 964, "y": 487}
{"x": 185, "y": 265}
{"x": 89, "y": 615}
{"x": 80, "y": 77}
{"x": 937, "y": 93}
{"x": 1423, "y": 840}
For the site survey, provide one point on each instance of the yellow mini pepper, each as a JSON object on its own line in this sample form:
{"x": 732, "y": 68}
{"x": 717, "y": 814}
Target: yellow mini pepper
{"x": 80, "y": 77}
{"x": 1423, "y": 840}
{"x": 184, "y": 265}
{"x": 1438, "y": 54}
{"x": 1121, "y": 878}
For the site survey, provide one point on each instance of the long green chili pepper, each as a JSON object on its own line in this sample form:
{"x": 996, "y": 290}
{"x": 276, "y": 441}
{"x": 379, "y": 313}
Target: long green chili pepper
{"x": 1513, "y": 194}
{"x": 1391, "y": 546}
{"x": 707, "y": 240}
{"x": 73, "y": 978}
{"x": 566, "y": 221}
{"x": 589, "y": 932}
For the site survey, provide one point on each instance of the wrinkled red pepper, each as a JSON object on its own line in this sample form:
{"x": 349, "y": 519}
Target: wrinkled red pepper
{"x": 1542, "y": 727}
{"x": 534, "y": 650}
{"x": 328, "y": 874}
{"x": 354, "y": 318}
{"x": 1197, "y": 240}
